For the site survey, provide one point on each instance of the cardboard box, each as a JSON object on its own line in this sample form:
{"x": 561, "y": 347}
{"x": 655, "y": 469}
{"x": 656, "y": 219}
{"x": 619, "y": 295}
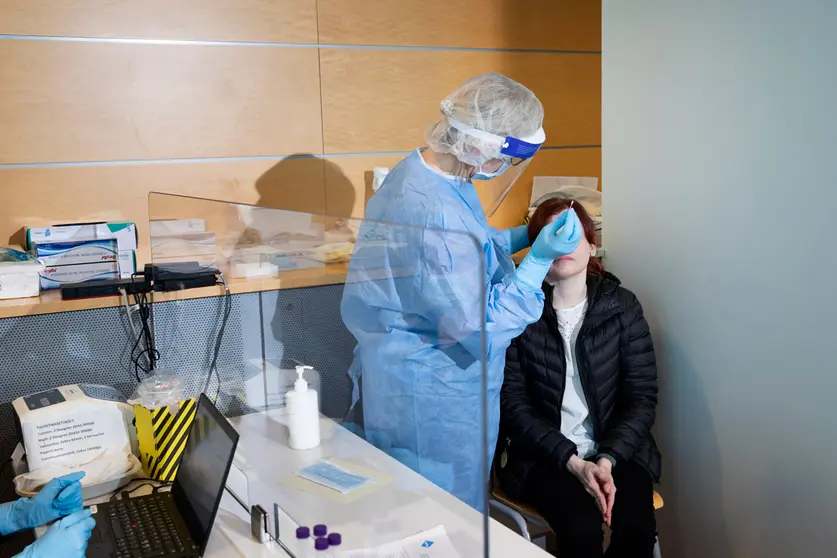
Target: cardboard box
{"x": 124, "y": 233}
{"x": 55, "y": 276}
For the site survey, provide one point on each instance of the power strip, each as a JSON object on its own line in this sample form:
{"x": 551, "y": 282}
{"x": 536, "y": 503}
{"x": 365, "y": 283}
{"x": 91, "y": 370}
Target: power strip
{"x": 95, "y": 289}
{"x": 171, "y": 277}
{"x": 181, "y": 276}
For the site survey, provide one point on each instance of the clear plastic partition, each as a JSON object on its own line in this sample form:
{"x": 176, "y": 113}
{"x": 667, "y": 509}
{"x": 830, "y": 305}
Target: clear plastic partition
{"x": 384, "y": 322}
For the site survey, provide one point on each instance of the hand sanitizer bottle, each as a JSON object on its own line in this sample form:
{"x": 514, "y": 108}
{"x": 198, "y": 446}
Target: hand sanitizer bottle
{"x": 303, "y": 413}
{"x": 378, "y": 176}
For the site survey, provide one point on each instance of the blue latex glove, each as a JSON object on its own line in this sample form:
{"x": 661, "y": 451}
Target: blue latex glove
{"x": 556, "y": 239}
{"x": 59, "y": 497}
{"x": 517, "y": 238}
{"x": 66, "y": 538}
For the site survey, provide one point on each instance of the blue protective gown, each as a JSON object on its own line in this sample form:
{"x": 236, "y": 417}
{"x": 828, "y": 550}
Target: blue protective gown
{"x": 417, "y": 298}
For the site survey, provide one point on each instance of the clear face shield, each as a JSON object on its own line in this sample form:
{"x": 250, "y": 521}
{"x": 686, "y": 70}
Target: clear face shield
{"x": 506, "y": 159}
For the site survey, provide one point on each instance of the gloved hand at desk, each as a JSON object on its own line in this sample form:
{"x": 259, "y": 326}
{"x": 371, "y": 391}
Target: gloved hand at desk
{"x": 59, "y": 497}
{"x": 559, "y": 238}
{"x": 66, "y": 538}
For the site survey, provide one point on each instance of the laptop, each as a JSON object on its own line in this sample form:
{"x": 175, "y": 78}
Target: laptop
{"x": 173, "y": 524}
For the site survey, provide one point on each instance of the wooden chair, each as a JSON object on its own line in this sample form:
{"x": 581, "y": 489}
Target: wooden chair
{"x": 525, "y": 516}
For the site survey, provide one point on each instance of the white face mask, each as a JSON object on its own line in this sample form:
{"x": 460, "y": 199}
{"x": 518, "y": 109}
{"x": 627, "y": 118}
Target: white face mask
{"x": 479, "y": 175}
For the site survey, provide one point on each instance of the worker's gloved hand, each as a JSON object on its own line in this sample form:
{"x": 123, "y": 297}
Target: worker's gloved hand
{"x": 556, "y": 239}
{"x": 66, "y": 538}
{"x": 59, "y": 497}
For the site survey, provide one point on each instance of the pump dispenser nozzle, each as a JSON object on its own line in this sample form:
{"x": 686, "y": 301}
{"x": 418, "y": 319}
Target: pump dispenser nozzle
{"x": 300, "y": 384}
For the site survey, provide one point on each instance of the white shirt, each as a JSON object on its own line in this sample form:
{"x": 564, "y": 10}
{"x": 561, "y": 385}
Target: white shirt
{"x": 576, "y": 423}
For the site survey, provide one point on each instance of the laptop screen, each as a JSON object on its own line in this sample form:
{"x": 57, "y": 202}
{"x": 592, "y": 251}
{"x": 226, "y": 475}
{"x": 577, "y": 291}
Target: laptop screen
{"x": 203, "y": 470}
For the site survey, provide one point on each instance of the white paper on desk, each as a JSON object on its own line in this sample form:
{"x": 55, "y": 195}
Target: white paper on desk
{"x": 427, "y": 544}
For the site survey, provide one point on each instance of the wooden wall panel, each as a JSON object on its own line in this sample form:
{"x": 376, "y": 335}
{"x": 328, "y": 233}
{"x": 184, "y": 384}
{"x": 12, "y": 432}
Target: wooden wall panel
{"x": 534, "y": 24}
{"x": 383, "y": 100}
{"x": 93, "y": 102}
{"x": 49, "y": 195}
{"x": 349, "y": 182}
{"x": 549, "y": 162}
{"x": 221, "y": 20}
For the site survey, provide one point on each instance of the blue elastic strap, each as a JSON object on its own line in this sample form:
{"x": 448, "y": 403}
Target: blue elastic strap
{"x": 520, "y": 149}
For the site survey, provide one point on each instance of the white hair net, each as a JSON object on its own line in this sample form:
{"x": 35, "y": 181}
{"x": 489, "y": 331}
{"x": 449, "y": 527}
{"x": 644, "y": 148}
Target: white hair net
{"x": 489, "y": 102}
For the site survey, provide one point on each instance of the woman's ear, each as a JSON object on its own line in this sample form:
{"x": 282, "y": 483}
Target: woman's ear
{"x": 593, "y": 251}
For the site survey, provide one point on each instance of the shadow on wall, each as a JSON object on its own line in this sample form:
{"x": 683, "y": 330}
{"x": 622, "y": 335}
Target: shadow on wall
{"x": 683, "y": 529}
{"x": 306, "y": 326}
{"x": 307, "y": 183}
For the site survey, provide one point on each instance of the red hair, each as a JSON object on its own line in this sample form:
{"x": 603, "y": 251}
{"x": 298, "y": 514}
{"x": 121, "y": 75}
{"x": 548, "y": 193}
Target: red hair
{"x": 552, "y": 207}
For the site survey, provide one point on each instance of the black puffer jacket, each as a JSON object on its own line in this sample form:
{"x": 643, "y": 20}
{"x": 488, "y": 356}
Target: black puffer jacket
{"x": 618, "y": 370}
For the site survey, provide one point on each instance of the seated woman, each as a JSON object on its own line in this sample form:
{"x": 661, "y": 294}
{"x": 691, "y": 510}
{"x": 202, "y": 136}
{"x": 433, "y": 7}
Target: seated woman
{"x": 577, "y": 406}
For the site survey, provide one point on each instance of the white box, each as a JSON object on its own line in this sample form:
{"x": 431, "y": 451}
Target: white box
{"x": 55, "y": 276}
{"x": 86, "y": 252}
{"x": 166, "y": 227}
{"x": 67, "y": 427}
{"x": 289, "y": 263}
{"x": 189, "y": 245}
{"x": 76, "y": 252}
{"x": 124, "y": 233}
{"x": 19, "y": 274}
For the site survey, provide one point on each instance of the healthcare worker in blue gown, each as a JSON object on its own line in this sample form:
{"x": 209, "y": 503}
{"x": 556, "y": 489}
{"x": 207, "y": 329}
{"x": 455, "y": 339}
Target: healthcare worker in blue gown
{"x": 60, "y": 500}
{"x": 429, "y": 274}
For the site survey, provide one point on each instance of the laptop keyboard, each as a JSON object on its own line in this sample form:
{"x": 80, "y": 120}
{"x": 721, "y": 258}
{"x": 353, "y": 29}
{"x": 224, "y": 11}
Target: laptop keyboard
{"x": 143, "y": 528}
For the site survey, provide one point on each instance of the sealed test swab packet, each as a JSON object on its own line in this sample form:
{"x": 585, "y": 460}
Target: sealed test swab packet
{"x": 332, "y": 476}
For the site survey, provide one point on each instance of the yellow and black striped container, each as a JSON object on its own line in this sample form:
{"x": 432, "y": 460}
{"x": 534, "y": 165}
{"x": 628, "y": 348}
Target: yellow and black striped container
{"x": 162, "y": 438}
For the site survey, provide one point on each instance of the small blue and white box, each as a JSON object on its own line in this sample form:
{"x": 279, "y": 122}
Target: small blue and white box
{"x": 55, "y": 276}
{"x": 123, "y": 233}
{"x": 78, "y": 252}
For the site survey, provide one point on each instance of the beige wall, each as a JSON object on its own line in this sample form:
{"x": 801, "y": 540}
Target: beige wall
{"x": 97, "y": 98}
{"x": 719, "y": 214}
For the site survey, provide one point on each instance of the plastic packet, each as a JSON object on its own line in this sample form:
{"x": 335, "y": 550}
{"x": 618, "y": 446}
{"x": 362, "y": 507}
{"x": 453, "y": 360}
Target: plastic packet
{"x": 159, "y": 390}
{"x": 105, "y": 467}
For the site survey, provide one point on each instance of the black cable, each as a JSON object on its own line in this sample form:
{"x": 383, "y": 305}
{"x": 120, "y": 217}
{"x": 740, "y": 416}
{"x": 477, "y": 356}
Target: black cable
{"x": 146, "y": 336}
{"x": 213, "y": 367}
{"x": 145, "y": 316}
{"x": 135, "y": 358}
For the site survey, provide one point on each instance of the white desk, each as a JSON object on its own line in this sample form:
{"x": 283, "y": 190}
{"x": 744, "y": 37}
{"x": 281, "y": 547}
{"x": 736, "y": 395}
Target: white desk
{"x": 406, "y": 506}
{"x": 230, "y": 537}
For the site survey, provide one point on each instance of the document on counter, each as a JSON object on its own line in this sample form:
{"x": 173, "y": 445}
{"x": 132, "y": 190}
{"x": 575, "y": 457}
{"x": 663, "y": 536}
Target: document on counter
{"x": 427, "y": 544}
